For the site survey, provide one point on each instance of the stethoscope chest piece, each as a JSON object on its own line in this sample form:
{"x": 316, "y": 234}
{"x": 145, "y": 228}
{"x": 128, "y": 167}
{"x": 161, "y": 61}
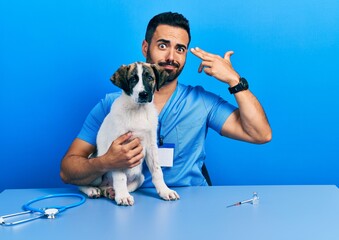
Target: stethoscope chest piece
{"x": 51, "y": 212}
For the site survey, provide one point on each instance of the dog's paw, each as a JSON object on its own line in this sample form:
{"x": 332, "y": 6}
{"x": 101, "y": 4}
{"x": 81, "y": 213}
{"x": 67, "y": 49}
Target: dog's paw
{"x": 124, "y": 200}
{"x": 92, "y": 192}
{"x": 95, "y": 193}
{"x": 168, "y": 194}
{"x": 108, "y": 192}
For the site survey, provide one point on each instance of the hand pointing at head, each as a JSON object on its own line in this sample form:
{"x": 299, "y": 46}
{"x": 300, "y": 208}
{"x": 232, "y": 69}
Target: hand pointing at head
{"x": 216, "y": 66}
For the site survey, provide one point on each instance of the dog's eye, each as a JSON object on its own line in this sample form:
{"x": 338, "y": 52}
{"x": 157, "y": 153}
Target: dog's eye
{"x": 133, "y": 79}
{"x": 150, "y": 78}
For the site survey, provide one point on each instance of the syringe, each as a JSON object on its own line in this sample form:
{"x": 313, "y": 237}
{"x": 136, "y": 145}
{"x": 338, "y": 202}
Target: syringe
{"x": 253, "y": 200}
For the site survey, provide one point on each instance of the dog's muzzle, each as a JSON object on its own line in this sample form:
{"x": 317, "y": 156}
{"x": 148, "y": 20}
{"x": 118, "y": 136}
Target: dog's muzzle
{"x": 144, "y": 97}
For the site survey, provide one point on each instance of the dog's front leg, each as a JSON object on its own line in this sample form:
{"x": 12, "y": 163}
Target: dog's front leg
{"x": 122, "y": 196}
{"x": 157, "y": 175}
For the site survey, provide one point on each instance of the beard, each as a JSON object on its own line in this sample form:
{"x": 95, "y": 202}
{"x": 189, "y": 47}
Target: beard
{"x": 172, "y": 74}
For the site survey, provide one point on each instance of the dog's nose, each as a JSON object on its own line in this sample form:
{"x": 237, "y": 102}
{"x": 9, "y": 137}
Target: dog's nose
{"x": 143, "y": 95}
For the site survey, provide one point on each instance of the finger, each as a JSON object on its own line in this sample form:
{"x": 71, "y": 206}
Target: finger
{"x": 135, "y": 151}
{"x": 208, "y": 71}
{"x": 123, "y": 138}
{"x": 133, "y": 144}
{"x": 228, "y": 55}
{"x": 202, "y": 54}
{"x": 203, "y": 65}
{"x": 135, "y": 161}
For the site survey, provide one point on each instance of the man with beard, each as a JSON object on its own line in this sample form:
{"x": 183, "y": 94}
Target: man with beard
{"x": 185, "y": 113}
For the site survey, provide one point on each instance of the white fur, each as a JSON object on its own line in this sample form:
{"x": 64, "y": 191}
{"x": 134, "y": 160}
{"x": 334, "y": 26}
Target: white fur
{"x": 127, "y": 115}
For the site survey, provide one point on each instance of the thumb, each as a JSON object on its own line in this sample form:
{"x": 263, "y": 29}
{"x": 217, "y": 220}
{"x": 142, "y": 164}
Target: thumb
{"x": 228, "y": 55}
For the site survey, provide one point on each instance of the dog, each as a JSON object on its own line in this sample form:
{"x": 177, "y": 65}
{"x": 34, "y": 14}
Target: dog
{"x": 133, "y": 112}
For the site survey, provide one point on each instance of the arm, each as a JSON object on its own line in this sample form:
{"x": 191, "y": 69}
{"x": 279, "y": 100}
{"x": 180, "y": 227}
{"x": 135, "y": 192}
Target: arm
{"x": 249, "y": 122}
{"x": 77, "y": 168}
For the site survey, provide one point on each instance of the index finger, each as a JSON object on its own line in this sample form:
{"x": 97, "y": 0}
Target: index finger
{"x": 123, "y": 138}
{"x": 203, "y": 55}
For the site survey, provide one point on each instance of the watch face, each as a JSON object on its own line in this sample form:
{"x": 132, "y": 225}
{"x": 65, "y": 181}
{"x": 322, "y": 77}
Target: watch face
{"x": 244, "y": 83}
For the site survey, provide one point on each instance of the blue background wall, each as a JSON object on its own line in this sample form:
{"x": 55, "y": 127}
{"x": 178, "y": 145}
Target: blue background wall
{"x": 56, "y": 58}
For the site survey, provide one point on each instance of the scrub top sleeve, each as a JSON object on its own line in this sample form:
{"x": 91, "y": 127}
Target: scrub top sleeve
{"x": 218, "y": 110}
{"x": 219, "y": 114}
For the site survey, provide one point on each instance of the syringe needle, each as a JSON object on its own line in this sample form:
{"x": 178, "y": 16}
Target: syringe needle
{"x": 235, "y": 204}
{"x": 239, "y": 203}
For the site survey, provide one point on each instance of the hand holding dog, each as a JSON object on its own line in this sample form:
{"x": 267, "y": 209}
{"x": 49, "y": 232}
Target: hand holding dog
{"x": 216, "y": 66}
{"x": 124, "y": 152}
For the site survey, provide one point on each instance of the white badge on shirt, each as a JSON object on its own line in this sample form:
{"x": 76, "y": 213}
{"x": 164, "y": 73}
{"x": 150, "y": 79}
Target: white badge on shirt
{"x": 166, "y": 154}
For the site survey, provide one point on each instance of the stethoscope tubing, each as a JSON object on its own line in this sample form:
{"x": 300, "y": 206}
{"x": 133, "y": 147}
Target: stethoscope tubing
{"x": 27, "y": 206}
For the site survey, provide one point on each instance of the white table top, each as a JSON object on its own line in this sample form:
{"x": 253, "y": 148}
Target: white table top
{"x": 284, "y": 212}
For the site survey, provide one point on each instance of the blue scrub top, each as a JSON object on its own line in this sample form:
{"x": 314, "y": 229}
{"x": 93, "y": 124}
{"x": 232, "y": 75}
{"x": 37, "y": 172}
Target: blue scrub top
{"x": 184, "y": 120}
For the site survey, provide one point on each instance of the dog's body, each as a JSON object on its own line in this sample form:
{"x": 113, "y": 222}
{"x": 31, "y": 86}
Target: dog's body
{"x": 132, "y": 112}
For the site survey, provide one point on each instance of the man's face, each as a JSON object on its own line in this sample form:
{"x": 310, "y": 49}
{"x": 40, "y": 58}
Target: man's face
{"x": 168, "y": 49}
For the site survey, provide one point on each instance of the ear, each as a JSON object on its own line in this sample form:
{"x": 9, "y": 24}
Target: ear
{"x": 160, "y": 76}
{"x": 119, "y": 78}
{"x": 144, "y": 48}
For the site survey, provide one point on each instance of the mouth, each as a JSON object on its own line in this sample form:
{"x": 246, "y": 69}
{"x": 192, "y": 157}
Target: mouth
{"x": 169, "y": 65}
{"x": 143, "y": 101}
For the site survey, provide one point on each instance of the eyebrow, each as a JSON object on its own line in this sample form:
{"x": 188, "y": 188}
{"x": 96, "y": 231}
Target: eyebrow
{"x": 168, "y": 41}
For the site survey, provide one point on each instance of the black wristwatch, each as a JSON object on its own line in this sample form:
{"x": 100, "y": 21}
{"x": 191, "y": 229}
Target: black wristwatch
{"x": 241, "y": 86}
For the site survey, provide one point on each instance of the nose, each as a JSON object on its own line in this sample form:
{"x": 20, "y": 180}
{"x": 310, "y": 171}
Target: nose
{"x": 143, "y": 95}
{"x": 170, "y": 54}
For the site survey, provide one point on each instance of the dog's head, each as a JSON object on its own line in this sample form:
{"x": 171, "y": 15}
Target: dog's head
{"x": 139, "y": 80}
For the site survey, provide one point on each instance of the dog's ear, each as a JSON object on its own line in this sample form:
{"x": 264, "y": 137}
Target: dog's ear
{"x": 160, "y": 76}
{"x": 119, "y": 78}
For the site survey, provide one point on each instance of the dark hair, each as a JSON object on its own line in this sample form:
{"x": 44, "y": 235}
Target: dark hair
{"x": 167, "y": 18}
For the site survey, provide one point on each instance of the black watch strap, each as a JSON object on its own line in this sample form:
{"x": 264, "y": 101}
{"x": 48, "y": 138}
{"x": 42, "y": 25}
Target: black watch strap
{"x": 241, "y": 86}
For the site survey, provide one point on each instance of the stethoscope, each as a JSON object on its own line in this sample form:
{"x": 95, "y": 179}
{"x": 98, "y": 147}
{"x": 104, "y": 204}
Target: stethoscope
{"x": 49, "y": 212}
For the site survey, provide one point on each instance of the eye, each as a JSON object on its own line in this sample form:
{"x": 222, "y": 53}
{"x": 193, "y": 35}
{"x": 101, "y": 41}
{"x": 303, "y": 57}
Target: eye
{"x": 133, "y": 79}
{"x": 181, "y": 49}
{"x": 162, "y": 46}
{"x": 150, "y": 78}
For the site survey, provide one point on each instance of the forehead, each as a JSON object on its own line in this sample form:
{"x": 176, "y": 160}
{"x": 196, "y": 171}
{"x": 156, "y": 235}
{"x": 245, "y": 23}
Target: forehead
{"x": 175, "y": 35}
